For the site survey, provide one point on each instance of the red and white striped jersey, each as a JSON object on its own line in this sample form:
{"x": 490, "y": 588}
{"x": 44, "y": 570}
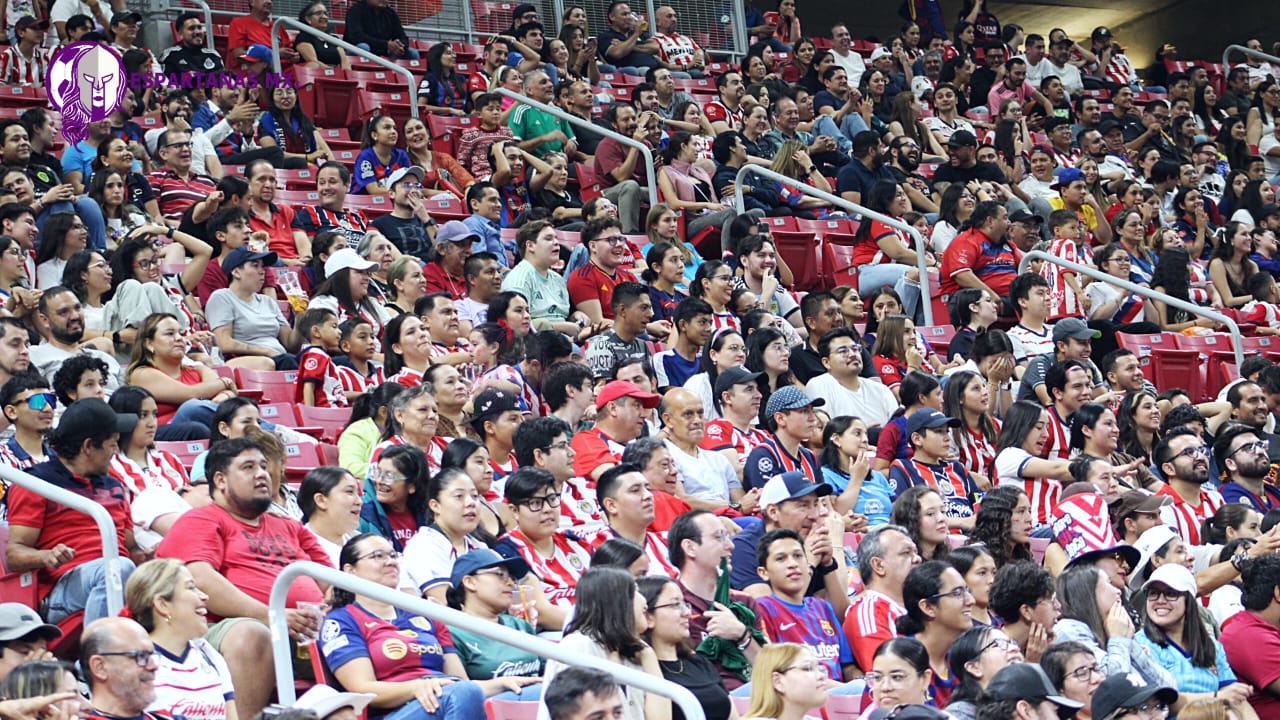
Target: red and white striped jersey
{"x": 164, "y": 470}
{"x": 530, "y": 401}
{"x": 353, "y": 381}
{"x": 468, "y": 371}
{"x": 407, "y": 377}
{"x": 722, "y": 435}
{"x": 976, "y": 452}
{"x": 1062, "y": 299}
{"x": 1058, "y": 446}
{"x": 871, "y": 619}
{"x": 655, "y": 548}
{"x": 18, "y": 70}
{"x": 316, "y": 367}
{"x": 725, "y": 321}
{"x": 560, "y": 572}
{"x": 1187, "y": 517}
{"x": 579, "y": 510}
{"x": 434, "y": 451}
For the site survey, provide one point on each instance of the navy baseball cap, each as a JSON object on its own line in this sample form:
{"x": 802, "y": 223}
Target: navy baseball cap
{"x": 928, "y": 418}
{"x": 481, "y": 559}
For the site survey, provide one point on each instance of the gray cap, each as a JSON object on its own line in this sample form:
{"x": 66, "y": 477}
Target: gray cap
{"x": 1068, "y": 328}
{"x": 790, "y": 397}
{"x": 18, "y": 621}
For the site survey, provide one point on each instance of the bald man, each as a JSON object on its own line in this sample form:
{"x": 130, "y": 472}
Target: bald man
{"x": 707, "y": 480}
{"x": 119, "y": 663}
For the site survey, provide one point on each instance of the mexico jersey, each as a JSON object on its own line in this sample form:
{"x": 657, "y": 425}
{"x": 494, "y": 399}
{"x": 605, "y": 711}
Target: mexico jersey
{"x": 1187, "y": 518}
{"x": 315, "y": 366}
{"x": 354, "y": 382}
{"x": 655, "y": 548}
{"x": 813, "y": 624}
{"x": 579, "y": 510}
{"x": 560, "y": 572}
{"x": 976, "y": 451}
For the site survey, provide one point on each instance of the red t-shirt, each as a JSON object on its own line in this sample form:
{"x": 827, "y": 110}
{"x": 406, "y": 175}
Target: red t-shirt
{"x": 589, "y": 282}
{"x": 666, "y": 508}
{"x": 245, "y": 31}
{"x": 891, "y": 371}
{"x": 187, "y": 376}
{"x": 996, "y": 266}
{"x": 248, "y": 556}
{"x": 439, "y": 281}
{"x": 592, "y": 449}
{"x": 1253, "y": 649}
{"x": 868, "y": 252}
{"x": 403, "y": 525}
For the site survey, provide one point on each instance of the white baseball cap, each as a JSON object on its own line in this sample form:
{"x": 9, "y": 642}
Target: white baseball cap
{"x": 346, "y": 259}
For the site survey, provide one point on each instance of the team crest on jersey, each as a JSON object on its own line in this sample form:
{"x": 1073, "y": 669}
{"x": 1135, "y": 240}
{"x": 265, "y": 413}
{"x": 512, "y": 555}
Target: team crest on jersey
{"x": 419, "y": 622}
{"x": 765, "y": 465}
{"x": 826, "y": 628}
{"x": 312, "y": 363}
{"x": 713, "y": 431}
{"x": 576, "y": 562}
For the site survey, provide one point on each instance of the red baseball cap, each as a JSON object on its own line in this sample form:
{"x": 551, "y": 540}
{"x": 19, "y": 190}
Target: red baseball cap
{"x": 622, "y": 388}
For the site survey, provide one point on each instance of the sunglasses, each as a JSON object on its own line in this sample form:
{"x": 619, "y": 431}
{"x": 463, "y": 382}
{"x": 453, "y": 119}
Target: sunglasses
{"x": 40, "y": 401}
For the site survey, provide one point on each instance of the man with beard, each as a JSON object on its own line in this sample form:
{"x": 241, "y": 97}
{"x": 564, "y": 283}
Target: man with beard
{"x": 988, "y": 76}
{"x": 1249, "y": 406}
{"x": 963, "y": 165}
{"x": 1240, "y": 453}
{"x": 1110, "y": 167}
{"x": 412, "y": 230}
{"x": 980, "y": 257}
{"x": 847, "y": 393}
{"x": 727, "y": 110}
{"x": 120, "y": 663}
{"x": 621, "y": 408}
{"x": 624, "y": 495}
{"x": 51, "y": 194}
{"x": 904, "y": 160}
{"x": 710, "y": 482}
{"x": 64, "y": 545}
{"x": 234, "y": 550}
{"x": 619, "y": 170}
{"x": 27, "y": 403}
{"x": 866, "y": 168}
{"x": 190, "y": 55}
{"x": 1184, "y": 460}
{"x": 61, "y": 316}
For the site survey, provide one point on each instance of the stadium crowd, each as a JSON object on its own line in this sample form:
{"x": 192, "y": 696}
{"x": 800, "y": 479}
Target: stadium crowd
{"x": 551, "y": 403}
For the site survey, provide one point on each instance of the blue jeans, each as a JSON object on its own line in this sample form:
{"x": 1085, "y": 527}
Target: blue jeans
{"x": 410, "y": 53}
{"x": 528, "y": 693}
{"x": 84, "y": 587}
{"x": 89, "y": 213}
{"x": 460, "y": 701}
{"x": 197, "y": 411}
{"x": 175, "y": 431}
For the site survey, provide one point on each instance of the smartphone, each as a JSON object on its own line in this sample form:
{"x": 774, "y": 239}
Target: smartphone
{"x": 771, "y": 18}
{"x": 591, "y": 40}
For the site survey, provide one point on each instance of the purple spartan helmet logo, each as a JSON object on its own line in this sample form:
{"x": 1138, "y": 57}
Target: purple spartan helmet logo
{"x": 86, "y": 83}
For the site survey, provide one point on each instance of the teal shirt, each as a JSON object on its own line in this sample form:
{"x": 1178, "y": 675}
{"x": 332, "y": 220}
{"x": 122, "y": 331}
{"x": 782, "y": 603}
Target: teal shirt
{"x": 548, "y": 295}
{"x": 486, "y": 659}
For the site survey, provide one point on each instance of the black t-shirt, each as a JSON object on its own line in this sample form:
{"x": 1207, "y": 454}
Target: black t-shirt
{"x": 697, "y": 674}
{"x": 855, "y": 177}
{"x": 980, "y": 171}
{"x": 326, "y": 52}
{"x": 980, "y": 86}
{"x": 409, "y": 235}
{"x": 43, "y": 177}
{"x": 633, "y": 59}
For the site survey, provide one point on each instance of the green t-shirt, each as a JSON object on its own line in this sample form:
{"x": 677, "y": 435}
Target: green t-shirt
{"x": 527, "y": 123}
{"x": 548, "y": 295}
{"x": 486, "y": 659}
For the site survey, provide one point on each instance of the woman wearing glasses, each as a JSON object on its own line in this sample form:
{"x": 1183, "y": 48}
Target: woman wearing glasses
{"x": 1094, "y": 614}
{"x": 796, "y": 687}
{"x": 317, "y": 52}
{"x": 366, "y": 645}
{"x": 1176, "y": 634}
{"x": 901, "y": 674}
{"x": 139, "y": 289}
{"x": 668, "y": 634}
{"x": 481, "y": 586}
{"x": 1074, "y": 671}
{"x": 398, "y": 506}
{"x": 191, "y": 678}
{"x": 977, "y": 655}
{"x": 942, "y": 587}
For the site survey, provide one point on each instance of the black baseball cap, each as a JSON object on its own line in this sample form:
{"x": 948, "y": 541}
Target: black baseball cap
{"x": 1126, "y": 690}
{"x": 1024, "y": 215}
{"x": 962, "y": 138}
{"x": 735, "y": 375}
{"x": 87, "y": 418}
{"x": 1028, "y": 681}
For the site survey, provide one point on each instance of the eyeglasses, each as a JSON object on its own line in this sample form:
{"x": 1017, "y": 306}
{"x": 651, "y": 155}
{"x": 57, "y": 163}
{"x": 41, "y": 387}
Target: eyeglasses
{"x": 897, "y": 679}
{"x": 843, "y": 351}
{"x": 499, "y": 572}
{"x": 1005, "y": 644}
{"x": 1150, "y": 709}
{"x": 142, "y": 657}
{"x": 614, "y": 240}
{"x": 678, "y": 604}
{"x": 95, "y": 266}
{"x": 1083, "y": 674}
{"x": 562, "y": 445}
{"x": 722, "y": 278}
{"x": 387, "y": 477}
{"x": 720, "y": 536}
{"x": 1192, "y": 453}
{"x": 380, "y": 555}
{"x": 536, "y": 504}
{"x": 956, "y": 594}
{"x": 146, "y": 264}
{"x": 40, "y": 401}
{"x": 1253, "y": 447}
{"x": 179, "y": 145}
{"x": 807, "y": 667}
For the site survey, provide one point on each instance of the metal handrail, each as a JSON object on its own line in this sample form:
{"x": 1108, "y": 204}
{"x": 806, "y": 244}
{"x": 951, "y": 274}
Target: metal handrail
{"x": 302, "y": 27}
{"x": 1146, "y": 292}
{"x": 576, "y": 121}
{"x": 1226, "y": 55}
{"x": 448, "y": 616}
{"x": 926, "y": 302}
{"x": 106, "y": 527}
{"x": 208, "y": 17}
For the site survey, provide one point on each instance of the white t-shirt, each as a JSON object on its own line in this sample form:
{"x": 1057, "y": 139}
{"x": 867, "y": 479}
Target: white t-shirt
{"x": 150, "y": 505}
{"x": 1265, "y": 146}
{"x": 1036, "y": 73}
{"x": 942, "y": 235}
{"x": 709, "y": 476}
{"x": 49, "y": 273}
{"x": 1009, "y": 464}
{"x": 196, "y": 686}
{"x": 700, "y": 385}
{"x": 428, "y": 559}
{"x": 1027, "y": 344}
{"x": 1037, "y": 189}
{"x": 1069, "y": 75}
{"x": 940, "y": 126}
{"x": 873, "y": 403}
{"x": 853, "y": 65}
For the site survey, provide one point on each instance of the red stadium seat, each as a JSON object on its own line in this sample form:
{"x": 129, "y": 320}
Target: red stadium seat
{"x": 781, "y": 224}
{"x": 446, "y": 131}
{"x": 300, "y": 459}
{"x": 1180, "y": 368}
{"x": 372, "y": 205}
{"x": 392, "y": 104}
{"x": 939, "y": 336}
{"x": 443, "y": 210}
{"x": 511, "y": 709}
{"x": 334, "y": 93}
{"x": 297, "y": 179}
{"x": 837, "y": 263}
{"x": 276, "y": 385}
{"x": 1143, "y": 345}
{"x": 590, "y": 188}
{"x": 279, "y": 413}
{"x": 804, "y": 258}
{"x": 330, "y": 420}
{"x": 185, "y": 450}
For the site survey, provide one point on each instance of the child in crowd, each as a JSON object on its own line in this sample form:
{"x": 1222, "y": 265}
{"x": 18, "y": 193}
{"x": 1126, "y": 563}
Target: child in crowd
{"x": 1066, "y": 298}
{"x": 1029, "y": 295}
{"x": 318, "y": 383}
{"x": 358, "y": 372}
{"x": 1264, "y": 309}
{"x": 473, "y": 147}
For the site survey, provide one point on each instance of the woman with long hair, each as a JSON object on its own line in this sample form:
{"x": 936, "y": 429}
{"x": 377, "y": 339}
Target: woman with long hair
{"x": 713, "y": 282}
{"x": 812, "y": 80}
{"x": 138, "y": 465}
{"x": 802, "y": 53}
{"x": 1074, "y": 671}
{"x": 971, "y": 311}
{"x": 162, "y": 597}
{"x": 405, "y": 284}
{"x": 398, "y": 506}
{"x": 1233, "y": 146}
{"x": 379, "y": 157}
{"x": 1172, "y": 277}
{"x": 1110, "y": 302}
{"x": 64, "y": 234}
{"x": 565, "y": 206}
{"x": 1093, "y": 614}
{"x": 317, "y": 52}
{"x": 442, "y": 174}
{"x": 443, "y": 89}
{"x": 107, "y": 188}
{"x": 968, "y": 397}
{"x": 667, "y": 615}
{"x": 1232, "y": 520}
{"x": 662, "y": 224}
{"x": 285, "y": 125}
{"x": 940, "y": 586}
{"x": 663, "y": 272}
{"x": 919, "y": 510}
{"x": 882, "y": 253}
{"x": 453, "y": 503}
{"x": 790, "y": 683}
{"x": 1193, "y": 222}
{"x": 1138, "y": 420}
{"x": 1208, "y": 117}
{"x": 184, "y": 392}
{"x": 905, "y": 121}
{"x": 1004, "y": 524}
{"x": 957, "y": 204}
{"x": 792, "y": 159}
{"x": 686, "y": 186}
{"x": 345, "y": 291}
{"x": 769, "y": 354}
{"x": 139, "y": 288}
{"x": 432, "y": 684}
{"x": 581, "y": 63}
{"x": 370, "y": 415}
{"x": 724, "y": 349}
{"x": 330, "y": 500}
{"x": 609, "y": 619}
{"x": 408, "y": 347}
{"x": 873, "y": 85}
{"x": 977, "y": 655}
{"x": 1261, "y": 120}
{"x": 846, "y": 467}
{"x": 472, "y": 457}
{"x": 978, "y": 568}
{"x": 1018, "y": 461}
{"x": 88, "y": 275}
{"x": 895, "y": 352}
{"x": 1183, "y": 129}
{"x": 1231, "y": 267}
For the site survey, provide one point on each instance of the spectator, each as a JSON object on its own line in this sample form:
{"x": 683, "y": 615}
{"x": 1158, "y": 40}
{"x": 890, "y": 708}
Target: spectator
{"x": 314, "y": 50}
{"x": 981, "y": 256}
{"x": 49, "y": 194}
{"x": 177, "y": 185}
{"x": 591, "y": 286}
{"x": 794, "y": 688}
{"x": 120, "y": 665}
{"x": 138, "y": 464}
{"x": 246, "y": 322}
{"x": 190, "y": 55}
{"x": 627, "y": 43}
{"x": 618, "y": 168}
{"x": 1093, "y": 613}
{"x": 185, "y": 393}
{"x": 25, "y": 638}
{"x": 330, "y": 502}
{"x": 25, "y": 62}
{"x": 1024, "y": 691}
{"x": 677, "y": 53}
{"x": 62, "y": 317}
{"x": 62, "y": 543}
{"x": 973, "y": 665}
{"x": 191, "y": 676}
{"x": 623, "y": 494}
{"x": 249, "y": 40}
{"x": 670, "y": 641}
{"x": 379, "y": 157}
{"x": 286, "y": 126}
{"x": 31, "y": 419}
{"x": 842, "y": 385}
{"x": 1250, "y": 638}
{"x": 483, "y": 658}
{"x": 600, "y": 448}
